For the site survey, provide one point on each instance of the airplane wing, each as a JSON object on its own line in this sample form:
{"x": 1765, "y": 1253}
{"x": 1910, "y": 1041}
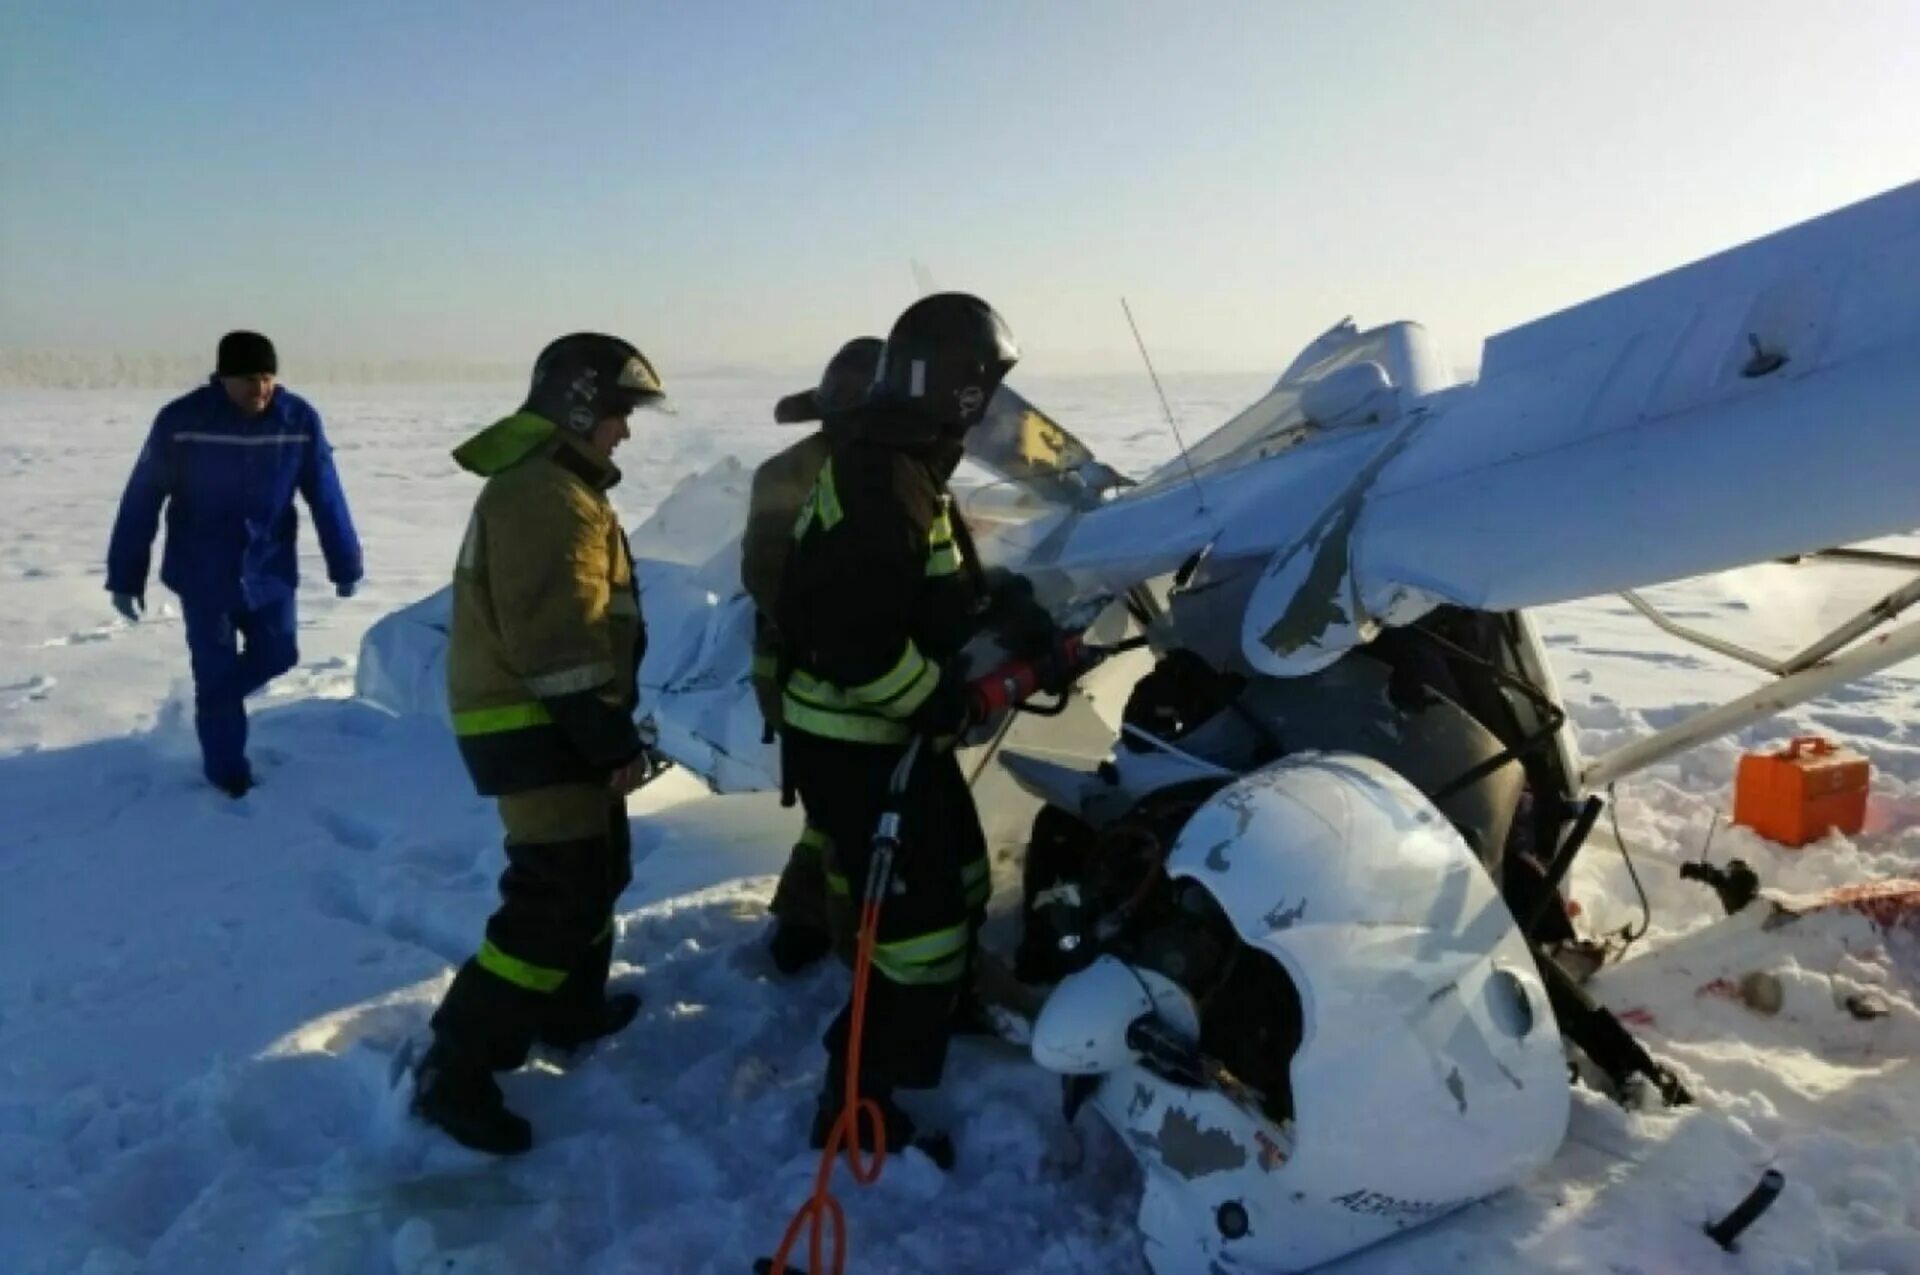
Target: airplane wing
{"x": 1759, "y": 403}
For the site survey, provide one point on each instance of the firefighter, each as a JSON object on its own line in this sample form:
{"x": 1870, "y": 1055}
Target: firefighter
{"x": 807, "y": 923}
{"x": 880, "y": 595}
{"x": 542, "y": 675}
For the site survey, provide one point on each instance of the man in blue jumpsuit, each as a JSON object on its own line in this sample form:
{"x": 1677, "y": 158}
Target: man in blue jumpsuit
{"x": 225, "y": 462}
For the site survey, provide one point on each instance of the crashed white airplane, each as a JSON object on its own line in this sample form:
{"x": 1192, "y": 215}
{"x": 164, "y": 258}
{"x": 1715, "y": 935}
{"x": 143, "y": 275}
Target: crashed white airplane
{"x": 1290, "y": 858}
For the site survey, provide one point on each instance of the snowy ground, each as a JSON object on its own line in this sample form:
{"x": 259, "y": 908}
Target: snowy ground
{"x": 201, "y": 1001}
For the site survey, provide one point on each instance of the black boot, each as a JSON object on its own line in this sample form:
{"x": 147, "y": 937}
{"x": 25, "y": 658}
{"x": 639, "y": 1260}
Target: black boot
{"x": 235, "y": 786}
{"x": 794, "y": 946}
{"x": 971, "y": 1017}
{"x": 900, "y": 1131}
{"x": 575, "y": 1027}
{"x": 465, "y": 1102}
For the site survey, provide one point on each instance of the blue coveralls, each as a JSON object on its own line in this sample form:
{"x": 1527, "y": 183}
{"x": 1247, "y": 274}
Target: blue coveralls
{"x": 227, "y": 482}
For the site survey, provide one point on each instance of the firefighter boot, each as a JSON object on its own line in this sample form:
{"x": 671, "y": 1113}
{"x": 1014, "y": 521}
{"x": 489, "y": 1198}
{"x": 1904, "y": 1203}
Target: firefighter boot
{"x": 575, "y": 1027}
{"x": 465, "y": 1102}
{"x": 899, "y": 1126}
{"x": 795, "y": 945}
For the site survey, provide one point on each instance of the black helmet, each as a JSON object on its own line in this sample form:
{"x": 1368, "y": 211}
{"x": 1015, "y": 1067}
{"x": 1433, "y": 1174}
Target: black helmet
{"x": 843, "y": 386}
{"x": 945, "y": 357}
{"x": 588, "y": 376}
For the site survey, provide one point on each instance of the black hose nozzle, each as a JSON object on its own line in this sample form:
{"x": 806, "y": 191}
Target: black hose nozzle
{"x": 1737, "y": 884}
{"x": 1758, "y": 1201}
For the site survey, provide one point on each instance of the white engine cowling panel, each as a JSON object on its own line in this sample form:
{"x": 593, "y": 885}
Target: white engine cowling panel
{"x": 1430, "y": 1071}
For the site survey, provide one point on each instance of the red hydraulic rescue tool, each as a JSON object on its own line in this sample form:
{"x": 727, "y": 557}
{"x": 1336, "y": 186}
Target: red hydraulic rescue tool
{"x": 1012, "y": 683}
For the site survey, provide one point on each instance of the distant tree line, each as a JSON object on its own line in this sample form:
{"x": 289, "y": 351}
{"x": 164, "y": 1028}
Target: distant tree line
{"x": 87, "y": 370}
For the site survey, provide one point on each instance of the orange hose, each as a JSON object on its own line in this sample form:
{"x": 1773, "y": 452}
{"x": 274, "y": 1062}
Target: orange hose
{"x": 821, "y": 1214}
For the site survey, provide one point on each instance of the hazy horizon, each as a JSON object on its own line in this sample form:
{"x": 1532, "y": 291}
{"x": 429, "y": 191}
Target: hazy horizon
{"x": 747, "y": 185}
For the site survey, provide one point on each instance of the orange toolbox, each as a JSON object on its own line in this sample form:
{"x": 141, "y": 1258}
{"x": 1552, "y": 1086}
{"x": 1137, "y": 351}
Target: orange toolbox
{"x": 1800, "y": 793}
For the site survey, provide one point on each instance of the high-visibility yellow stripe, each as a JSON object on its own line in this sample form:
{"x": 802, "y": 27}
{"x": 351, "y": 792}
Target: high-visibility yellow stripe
{"x": 919, "y": 974}
{"x": 855, "y": 728}
{"x": 897, "y": 681}
{"x": 944, "y": 557}
{"x": 829, "y": 493}
{"x": 837, "y": 883}
{"x": 822, "y": 502}
{"x": 493, "y": 721}
{"x": 924, "y": 949}
{"x": 535, "y": 978}
{"x": 810, "y": 689}
{"x": 897, "y": 694}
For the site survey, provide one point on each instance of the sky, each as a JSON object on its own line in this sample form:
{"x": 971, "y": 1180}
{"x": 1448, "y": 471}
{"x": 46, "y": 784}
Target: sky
{"x": 742, "y": 183}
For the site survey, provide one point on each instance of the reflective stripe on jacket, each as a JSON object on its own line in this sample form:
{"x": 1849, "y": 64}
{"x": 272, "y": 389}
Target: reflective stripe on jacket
{"x": 226, "y": 482}
{"x": 543, "y": 657}
{"x": 878, "y": 593}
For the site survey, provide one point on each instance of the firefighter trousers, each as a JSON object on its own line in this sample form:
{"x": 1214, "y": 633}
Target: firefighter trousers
{"x": 547, "y": 949}
{"x": 923, "y": 949}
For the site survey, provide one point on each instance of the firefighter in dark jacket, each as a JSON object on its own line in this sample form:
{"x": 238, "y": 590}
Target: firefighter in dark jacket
{"x": 811, "y": 912}
{"x": 882, "y": 592}
{"x": 542, "y": 671}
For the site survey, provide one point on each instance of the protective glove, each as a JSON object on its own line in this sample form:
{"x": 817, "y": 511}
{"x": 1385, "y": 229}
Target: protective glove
{"x": 346, "y": 590}
{"x": 1012, "y": 612}
{"x": 1063, "y": 659}
{"x": 130, "y": 605}
{"x": 644, "y": 766}
{"x": 636, "y": 773}
{"x": 948, "y": 711}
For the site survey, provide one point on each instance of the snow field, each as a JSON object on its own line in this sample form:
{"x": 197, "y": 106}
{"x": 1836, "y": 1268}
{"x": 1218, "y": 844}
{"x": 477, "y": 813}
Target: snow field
{"x": 205, "y": 1004}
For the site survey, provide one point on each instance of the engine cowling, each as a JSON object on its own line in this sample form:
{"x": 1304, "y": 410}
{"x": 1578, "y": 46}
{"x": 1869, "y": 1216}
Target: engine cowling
{"x": 1428, "y": 1071}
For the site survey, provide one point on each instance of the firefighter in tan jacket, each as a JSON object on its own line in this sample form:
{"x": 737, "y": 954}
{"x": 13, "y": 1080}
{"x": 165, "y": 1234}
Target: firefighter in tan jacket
{"x": 542, "y": 670}
{"x": 811, "y": 911}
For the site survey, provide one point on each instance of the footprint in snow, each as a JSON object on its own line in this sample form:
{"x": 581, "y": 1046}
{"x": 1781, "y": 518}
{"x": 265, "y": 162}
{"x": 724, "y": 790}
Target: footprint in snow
{"x": 1863, "y": 725}
{"x": 104, "y": 633}
{"x": 351, "y": 832}
{"x": 361, "y": 722}
{"x": 334, "y": 897}
{"x": 1856, "y": 693}
{"x": 33, "y": 689}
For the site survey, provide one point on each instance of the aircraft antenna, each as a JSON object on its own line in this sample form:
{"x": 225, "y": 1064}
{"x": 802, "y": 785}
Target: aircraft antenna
{"x": 1165, "y": 406}
{"x": 922, "y": 277}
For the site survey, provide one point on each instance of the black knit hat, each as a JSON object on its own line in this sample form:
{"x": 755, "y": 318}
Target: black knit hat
{"x": 246, "y": 354}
